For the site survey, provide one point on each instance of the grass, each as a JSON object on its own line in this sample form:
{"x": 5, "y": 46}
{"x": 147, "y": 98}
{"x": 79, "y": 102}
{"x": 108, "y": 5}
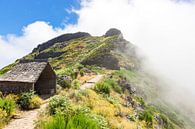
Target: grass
{"x": 106, "y": 85}
{"x": 7, "y": 68}
{"x": 77, "y": 121}
{"x": 56, "y": 122}
{"x": 8, "y": 105}
{"x": 107, "y": 102}
{"x": 59, "y": 104}
{"x": 81, "y": 121}
{"x": 103, "y": 87}
{"x": 7, "y": 110}
{"x": 147, "y": 115}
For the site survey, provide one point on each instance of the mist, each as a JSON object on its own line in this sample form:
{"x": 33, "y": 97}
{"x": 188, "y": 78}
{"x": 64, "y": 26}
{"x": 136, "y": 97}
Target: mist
{"x": 164, "y": 30}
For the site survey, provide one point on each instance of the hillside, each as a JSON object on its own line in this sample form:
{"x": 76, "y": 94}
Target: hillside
{"x": 127, "y": 97}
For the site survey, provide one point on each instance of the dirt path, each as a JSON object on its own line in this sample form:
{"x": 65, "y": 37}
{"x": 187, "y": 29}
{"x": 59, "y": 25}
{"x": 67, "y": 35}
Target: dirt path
{"x": 91, "y": 82}
{"x": 29, "y": 117}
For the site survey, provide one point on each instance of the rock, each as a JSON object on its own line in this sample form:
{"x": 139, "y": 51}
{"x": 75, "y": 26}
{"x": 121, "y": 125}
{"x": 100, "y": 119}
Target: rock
{"x": 159, "y": 120}
{"x": 126, "y": 86}
{"x": 46, "y": 55}
{"x": 128, "y": 100}
{"x": 113, "y": 31}
{"x": 63, "y": 80}
{"x": 107, "y": 60}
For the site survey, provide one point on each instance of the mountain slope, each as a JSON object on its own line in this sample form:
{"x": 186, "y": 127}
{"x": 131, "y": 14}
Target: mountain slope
{"x": 115, "y": 57}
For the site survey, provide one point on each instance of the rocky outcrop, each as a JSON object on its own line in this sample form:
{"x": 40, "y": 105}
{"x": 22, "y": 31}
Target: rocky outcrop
{"x": 50, "y": 54}
{"x": 107, "y": 60}
{"x": 62, "y": 38}
{"x": 113, "y": 32}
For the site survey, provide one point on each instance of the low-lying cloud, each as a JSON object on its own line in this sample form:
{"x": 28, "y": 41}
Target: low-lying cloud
{"x": 163, "y": 29}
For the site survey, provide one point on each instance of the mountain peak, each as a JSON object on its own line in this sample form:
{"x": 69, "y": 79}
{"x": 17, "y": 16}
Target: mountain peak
{"x": 113, "y": 31}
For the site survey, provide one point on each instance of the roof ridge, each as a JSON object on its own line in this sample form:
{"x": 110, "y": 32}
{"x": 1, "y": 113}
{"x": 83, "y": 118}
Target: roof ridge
{"x": 34, "y": 60}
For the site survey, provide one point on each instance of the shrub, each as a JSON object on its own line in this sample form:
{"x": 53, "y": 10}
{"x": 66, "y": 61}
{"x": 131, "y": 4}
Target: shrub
{"x": 147, "y": 115}
{"x": 3, "y": 118}
{"x": 29, "y": 101}
{"x": 24, "y": 100}
{"x": 59, "y": 104}
{"x": 103, "y": 87}
{"x": 95, "y": 69}
{"x": 114, "y": 85}
{"x": 77, "y": 121}
{"x": 67, "y": 71}
{"x": 166, "y": 122}
{"x": 140, "y": 100}
{"x": 74, "y": 75}
{"x": 65, "y": 83}
{"x": 57, "y": 122}
{"x": 12, "y": 97}
{"x": 7, "y": 110}
{"x": 35, "y": 102}
{"x": 81, "y": 121}
{"x": 106, "y": 85}
{"x": 8, "y": 106}
{"x": 112, "y": 99}
{"x": 1, "y": 94}
{"x": 79, "y": 66}
{"x": 82, "y": 72}
{"x": 75, "y": 84}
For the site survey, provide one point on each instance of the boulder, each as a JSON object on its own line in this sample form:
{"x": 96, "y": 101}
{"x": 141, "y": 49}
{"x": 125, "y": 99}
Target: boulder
{"x": 113, "y": 32}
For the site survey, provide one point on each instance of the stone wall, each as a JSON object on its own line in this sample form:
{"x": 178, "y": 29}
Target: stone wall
{"x": 15, "y": 87}
{"x": 46, "y": 84}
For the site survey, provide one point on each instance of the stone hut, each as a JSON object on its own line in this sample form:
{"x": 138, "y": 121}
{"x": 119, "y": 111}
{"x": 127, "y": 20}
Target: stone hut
{"x": 29, "y": 75}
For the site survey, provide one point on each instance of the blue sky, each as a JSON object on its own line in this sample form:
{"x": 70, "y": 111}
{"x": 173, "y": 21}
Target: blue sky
{"x": 15, "y": 14}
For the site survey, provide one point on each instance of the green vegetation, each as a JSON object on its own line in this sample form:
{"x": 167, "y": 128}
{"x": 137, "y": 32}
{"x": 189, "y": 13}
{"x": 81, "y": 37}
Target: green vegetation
{"x": 147, "y": 115}
{"x": 29, "y": 101}
{"x": 7, "y": 68}
{"x": 56, "y": 122}
{"x": 110, "y": 104}
{"x": 7, "y": 109}
{"x": 65, "y": 116}
{"x": 64, "y": 83}
{"x": 8, "y": 106}
{"x": 77, "y": 121}
{"x": 167, "y": 123}
{"x": 59, "y": 104}
{"x": 75, "y": 84}
{"x": 105, "y": 86}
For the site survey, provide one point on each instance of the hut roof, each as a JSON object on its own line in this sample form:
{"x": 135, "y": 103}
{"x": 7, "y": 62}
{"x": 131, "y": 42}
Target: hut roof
{"x": 25, "y": 72}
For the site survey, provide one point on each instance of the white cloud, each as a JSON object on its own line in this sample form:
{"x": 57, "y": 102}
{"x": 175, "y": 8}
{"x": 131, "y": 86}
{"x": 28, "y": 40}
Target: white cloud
{"x": 163, "y": 29}
{"x": 13, "y": 47}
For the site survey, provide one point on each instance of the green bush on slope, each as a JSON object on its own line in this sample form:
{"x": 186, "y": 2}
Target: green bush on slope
{"x": 8, "y": 106}
{"x": 147, "y": 115}
{"x": 103, "y": 87}
{"x": 6, "y": 69}
{"x": 106, "y": 85}
{"x": 7, "y": 110}
{"x": 29, "y": 101}
{"x": 77, "y": 121}
{"x": 59, "y": 104}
